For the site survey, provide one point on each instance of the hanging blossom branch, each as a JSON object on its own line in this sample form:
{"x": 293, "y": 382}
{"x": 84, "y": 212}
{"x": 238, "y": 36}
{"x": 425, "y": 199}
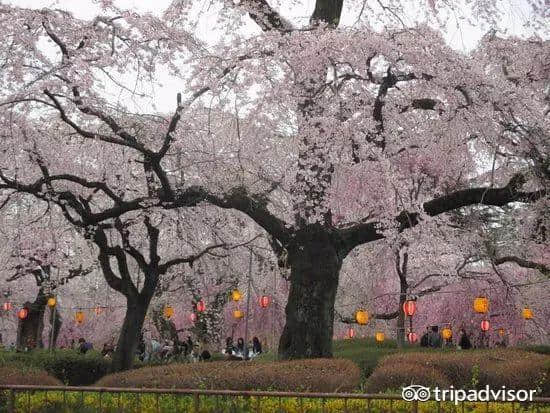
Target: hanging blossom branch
{"x": 372, "y": 231}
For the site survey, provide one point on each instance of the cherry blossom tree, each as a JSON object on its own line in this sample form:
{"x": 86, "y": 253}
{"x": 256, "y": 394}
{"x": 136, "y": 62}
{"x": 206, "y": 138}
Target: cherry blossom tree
{"x": 275, "y": 126}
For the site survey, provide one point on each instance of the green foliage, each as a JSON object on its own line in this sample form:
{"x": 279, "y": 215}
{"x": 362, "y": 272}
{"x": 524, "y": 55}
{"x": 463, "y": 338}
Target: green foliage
{"x": 69, "y": 366}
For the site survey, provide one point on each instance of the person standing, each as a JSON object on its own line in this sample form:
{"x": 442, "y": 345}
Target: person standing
{"x": 425, "y": 339}
{"x": 256, "y": 346}
{"x": 435, "y": 338}
{"x": 464, "y": 342}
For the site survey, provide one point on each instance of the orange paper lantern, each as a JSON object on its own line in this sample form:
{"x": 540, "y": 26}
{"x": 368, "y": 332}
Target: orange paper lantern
{"x": 527, "y": 313}
{"x": 481, "y": 305}
{"x": 23, "y": 313}
{"x": 238, "y": 314}
{"x": 379, "y": 337}
{"x": 168, "y": 312}
{"x": 79, "y": 317}
{"x": 362, "y": 317}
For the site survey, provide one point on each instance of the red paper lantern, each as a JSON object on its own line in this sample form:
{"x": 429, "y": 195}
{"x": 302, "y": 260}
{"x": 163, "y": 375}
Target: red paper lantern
{"x": 201, "y": 306}
{"x": 485, "y": 325}
{"x": 264, "y": 301}
{"x": 23, "y": 313}
{"x": 409, "y": 307}
{"x": 351, "y": 333}
{"x": 6, "y": 306}
{"x": 192, "y": 317}
{"x": 412, "y": 337}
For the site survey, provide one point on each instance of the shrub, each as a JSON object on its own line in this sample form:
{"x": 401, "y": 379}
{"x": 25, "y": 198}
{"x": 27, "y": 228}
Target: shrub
{"x": 70, "y": 367}
{"x": 511, "y": 368}
{"x": 389, "y": 377}
{"x": 541, "y": 349}
{"x": 326, "y": 375}
{"x": 15, "y": 373}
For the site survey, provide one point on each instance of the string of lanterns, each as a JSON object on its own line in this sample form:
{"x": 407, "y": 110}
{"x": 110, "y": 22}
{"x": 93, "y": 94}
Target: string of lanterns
{"x": 480, "y": 306}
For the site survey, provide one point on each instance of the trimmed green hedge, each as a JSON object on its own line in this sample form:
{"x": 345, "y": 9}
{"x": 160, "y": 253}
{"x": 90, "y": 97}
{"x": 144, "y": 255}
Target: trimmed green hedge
{"x": 69, "y": 366}
{"x": 515, "y": 369}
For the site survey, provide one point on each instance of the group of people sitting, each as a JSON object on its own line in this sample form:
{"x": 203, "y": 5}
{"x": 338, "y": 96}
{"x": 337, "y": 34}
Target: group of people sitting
{"x": 241, "y": 352}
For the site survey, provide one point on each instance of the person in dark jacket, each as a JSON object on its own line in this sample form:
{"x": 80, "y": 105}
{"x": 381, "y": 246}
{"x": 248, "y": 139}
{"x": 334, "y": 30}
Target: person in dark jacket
{"x": 256, "y": 346}
{"x": 464, "y": 341}
{"x": 240, "y": 346}
{"x": 425, "y": 339}
{"x": 435, "y": 338}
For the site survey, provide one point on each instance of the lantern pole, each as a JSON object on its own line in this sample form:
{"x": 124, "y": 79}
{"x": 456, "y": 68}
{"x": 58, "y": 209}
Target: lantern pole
{"x": 247, "y": 307}
{"x": 53, "y": 326}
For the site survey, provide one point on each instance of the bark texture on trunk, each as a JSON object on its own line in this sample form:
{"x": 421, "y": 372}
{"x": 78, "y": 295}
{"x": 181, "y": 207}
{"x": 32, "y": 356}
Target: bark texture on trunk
{"x": 315, "y": 266}
{"x": 29, "y": 330}
{"x": 128, "y": 339}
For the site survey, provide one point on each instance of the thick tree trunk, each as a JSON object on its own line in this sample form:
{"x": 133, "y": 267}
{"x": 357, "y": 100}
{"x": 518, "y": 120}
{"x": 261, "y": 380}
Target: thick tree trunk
{"x": 315, "y": 266}
{"x": 55, "y": 323}
{"x": 128, "y": 339}
{"x": 29, "y": 330}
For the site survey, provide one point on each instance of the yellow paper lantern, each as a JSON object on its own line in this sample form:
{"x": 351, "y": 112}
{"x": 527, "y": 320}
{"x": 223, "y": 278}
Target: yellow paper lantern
{"x": 501, "y": 332}
{"x": 238, "y": 314}
{"x": 527, "y": 313}
{"x": 236, "y": 295}
{"x": 79, "y": 317}
{"x": 52, "y": 302}
{"x": 168, "y": 312}
{"x": 379, "y": 337}
{"x": 447, "y": 333}
{"x": 481, "y": 305}
{"x": 362, "y": 317}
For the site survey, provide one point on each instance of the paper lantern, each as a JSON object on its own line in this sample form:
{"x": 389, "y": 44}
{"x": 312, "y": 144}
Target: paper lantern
{"x": 351, "y": 333}
{"x": 485, "y": 325}
{"x": 201, "y": 306}
{"x": 412, "y": 337}
{"x": 192, "y": 317}
{"x": 79, "y": 317}
{"x": 168, "y": 312}
{"x": 481, "y": 305}
{"x": 362, "y": 317}
{"x": 501, "y": 332}
{"x": 379, "y": 337}
{"x": 23, "y": 313}
{"x": 264, "y": 301}
{"x": 409, "y": 307}
{"x": 238, "y": 314}
{"x": 98, "y": 310}
{"x": 52, "y": 302}
{"x": 7, "y": 306}
{"x": 527, "y": 313}
{"x": 236, "y": 295}
{"x": 447, "y": 333}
